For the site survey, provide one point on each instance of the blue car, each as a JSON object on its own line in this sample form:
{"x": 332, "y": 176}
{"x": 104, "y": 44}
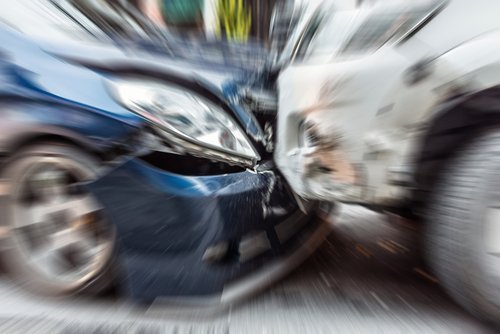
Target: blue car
{"x": 131, "y": 159}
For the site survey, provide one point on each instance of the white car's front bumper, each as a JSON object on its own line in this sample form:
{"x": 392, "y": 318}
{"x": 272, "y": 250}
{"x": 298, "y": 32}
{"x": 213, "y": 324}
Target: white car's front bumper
{"x": 364, "y": 120}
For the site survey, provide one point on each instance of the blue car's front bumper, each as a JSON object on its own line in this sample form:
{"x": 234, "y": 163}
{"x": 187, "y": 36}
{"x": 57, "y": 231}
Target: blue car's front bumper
{"x": 193, "y": 237}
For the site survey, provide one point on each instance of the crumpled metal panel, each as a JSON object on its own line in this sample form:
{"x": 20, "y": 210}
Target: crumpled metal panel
{"x": 165, "y": 222}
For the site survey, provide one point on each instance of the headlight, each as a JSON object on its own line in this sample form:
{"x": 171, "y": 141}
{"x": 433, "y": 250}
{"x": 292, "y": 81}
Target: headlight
{"x": 387, "y": 24}
{"x": 186, "y": 119}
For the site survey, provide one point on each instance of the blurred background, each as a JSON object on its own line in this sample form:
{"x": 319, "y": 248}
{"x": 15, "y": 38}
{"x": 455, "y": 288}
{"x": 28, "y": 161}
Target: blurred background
{"x": 139, "y": 185}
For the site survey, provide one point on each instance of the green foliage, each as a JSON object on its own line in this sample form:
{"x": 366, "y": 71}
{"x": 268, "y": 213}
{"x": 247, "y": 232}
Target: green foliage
{"x": 235, "y": 19}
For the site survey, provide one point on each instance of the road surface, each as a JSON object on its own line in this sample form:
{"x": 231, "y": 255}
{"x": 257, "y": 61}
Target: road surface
{"x": 367, "y": 278}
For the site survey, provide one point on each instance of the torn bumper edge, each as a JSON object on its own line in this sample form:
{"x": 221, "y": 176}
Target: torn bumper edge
{"x": 240, "y": 290}
{"x": 166, "y": 222}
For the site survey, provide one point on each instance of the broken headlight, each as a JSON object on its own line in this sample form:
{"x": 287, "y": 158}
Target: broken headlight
{"x": 186, "y": 119}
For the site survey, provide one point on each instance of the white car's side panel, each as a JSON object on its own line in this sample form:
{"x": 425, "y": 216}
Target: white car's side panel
{"x": 341, "y": 109}
{"x": 366, "y": 115}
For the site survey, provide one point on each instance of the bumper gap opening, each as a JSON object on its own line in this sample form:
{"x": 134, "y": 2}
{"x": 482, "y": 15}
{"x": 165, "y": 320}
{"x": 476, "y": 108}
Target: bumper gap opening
{"x": 189, "y": 165}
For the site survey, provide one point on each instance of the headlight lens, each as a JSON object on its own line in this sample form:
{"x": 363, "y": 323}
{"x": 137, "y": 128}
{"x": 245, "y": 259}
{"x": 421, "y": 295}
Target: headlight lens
{"x": 384, "y": 25}
{"x": 186, "y": 118}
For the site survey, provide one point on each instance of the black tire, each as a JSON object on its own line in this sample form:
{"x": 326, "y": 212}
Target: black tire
{"x": 467, "y": 192}
{"x": 14, "y": 253}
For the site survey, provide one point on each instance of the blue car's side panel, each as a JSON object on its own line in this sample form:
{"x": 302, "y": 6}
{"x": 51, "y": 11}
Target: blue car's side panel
{"x": 56, "y": 82}
{"x": 42, "y": 95}
{"x": 24, "y": 121}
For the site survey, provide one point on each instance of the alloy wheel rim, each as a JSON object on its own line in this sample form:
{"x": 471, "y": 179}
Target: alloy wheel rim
{"x": 58, "y": 225}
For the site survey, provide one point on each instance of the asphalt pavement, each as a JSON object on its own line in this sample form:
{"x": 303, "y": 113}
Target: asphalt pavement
{"x": 367, "y": 278}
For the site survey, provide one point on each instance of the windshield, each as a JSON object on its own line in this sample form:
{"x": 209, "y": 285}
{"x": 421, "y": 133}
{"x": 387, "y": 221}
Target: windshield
{"x": 306, "y": 20}
{"x": 331, "y": 36}
{"x": 362, "y": 31}
{"x": 309, "y": 34}
{"x": 90, "y": 20}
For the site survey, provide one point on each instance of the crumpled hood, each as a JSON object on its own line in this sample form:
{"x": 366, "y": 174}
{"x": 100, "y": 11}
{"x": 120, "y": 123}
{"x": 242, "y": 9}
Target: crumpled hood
{"x": 215, "y": 62}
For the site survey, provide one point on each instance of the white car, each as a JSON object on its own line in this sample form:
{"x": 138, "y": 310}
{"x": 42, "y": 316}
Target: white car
{"x": 397, "y": 106}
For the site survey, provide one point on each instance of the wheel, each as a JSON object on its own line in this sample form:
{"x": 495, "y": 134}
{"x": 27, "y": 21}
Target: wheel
{"x": 463, "y": 227}
{"x": 58, "y": 242}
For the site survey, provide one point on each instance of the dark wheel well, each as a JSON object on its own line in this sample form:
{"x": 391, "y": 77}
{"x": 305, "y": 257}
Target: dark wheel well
{"x": 457, "y": 122}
